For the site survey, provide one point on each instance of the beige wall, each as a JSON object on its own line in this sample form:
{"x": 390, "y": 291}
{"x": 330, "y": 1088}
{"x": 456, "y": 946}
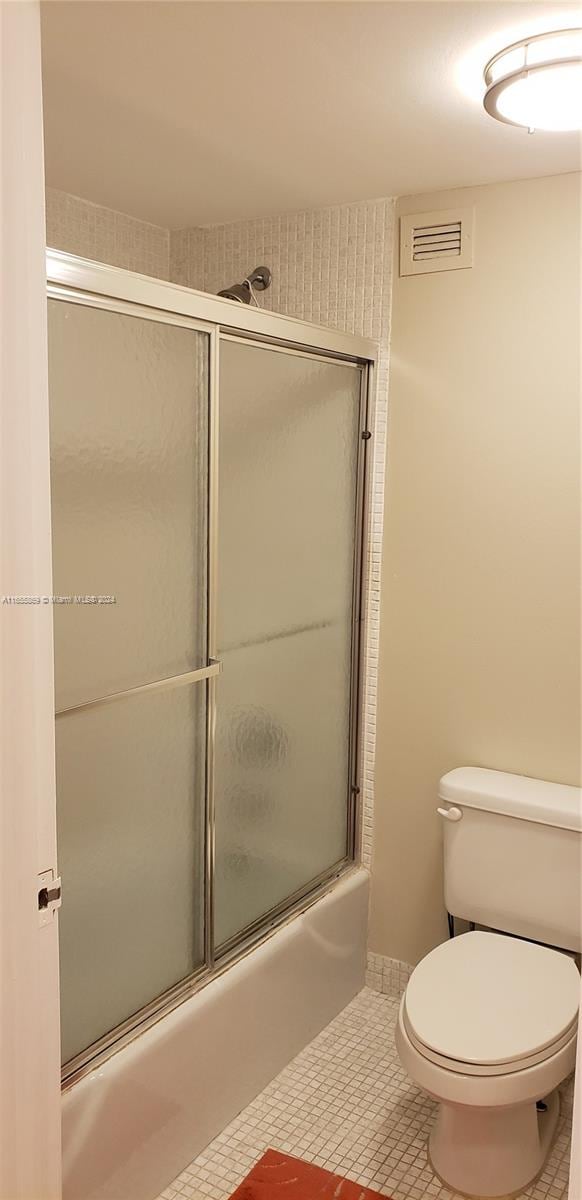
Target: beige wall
{"x": 480, "y": 649}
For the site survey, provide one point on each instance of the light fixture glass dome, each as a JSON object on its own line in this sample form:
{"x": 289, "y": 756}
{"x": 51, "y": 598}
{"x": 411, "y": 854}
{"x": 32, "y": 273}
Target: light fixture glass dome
{"x": 537, "y": 83}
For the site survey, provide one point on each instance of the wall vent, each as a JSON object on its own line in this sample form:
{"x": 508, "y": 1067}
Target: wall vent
{"x": 436, "y": 241}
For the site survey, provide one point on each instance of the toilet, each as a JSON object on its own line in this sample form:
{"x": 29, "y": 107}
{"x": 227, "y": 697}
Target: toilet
{"x": 488, "y": 1022}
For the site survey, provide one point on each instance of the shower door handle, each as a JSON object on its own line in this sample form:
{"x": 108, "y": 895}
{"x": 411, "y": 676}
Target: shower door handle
{"x": 213, "y": 667}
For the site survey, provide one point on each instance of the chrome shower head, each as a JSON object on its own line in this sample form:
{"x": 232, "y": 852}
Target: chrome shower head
{"x": 258, "y": 281}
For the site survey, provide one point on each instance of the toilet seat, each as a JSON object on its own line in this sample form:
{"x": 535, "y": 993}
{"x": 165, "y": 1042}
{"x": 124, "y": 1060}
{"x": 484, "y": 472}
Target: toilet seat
{"x": 488, "y": 1004}
{"x": 506, "y": 1068}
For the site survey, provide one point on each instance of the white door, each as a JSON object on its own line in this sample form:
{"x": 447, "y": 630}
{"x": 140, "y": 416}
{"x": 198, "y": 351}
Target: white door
{"x": 29, "y": 1000}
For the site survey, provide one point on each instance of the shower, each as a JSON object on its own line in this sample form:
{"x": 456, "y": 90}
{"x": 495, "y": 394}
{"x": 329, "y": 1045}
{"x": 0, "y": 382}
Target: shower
{"x": 258, "y": 280}
{"x": 207, "y": 722}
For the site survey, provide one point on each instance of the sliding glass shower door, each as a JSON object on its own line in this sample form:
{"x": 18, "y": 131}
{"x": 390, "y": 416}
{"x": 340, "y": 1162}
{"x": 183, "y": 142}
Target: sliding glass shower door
{"x": 288, "y": 467}
{"x": 129, "y": 448}
{"x": 207, "y": 512}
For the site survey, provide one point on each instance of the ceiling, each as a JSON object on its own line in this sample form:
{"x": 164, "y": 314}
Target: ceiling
{"x": 201, "y": 111}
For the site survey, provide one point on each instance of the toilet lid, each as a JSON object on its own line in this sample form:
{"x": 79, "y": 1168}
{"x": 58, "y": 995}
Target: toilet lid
{"x": 487, "y": 998}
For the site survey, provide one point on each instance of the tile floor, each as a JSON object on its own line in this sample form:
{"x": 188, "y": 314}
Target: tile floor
{"x": 346, "y": 1104}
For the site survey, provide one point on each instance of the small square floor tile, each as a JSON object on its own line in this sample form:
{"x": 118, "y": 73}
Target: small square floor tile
{"x": 346, "y": 1104}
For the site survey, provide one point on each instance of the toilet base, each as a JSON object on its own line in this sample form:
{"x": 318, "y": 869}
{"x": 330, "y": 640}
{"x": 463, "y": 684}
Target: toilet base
{"x": 492, "y": 1153}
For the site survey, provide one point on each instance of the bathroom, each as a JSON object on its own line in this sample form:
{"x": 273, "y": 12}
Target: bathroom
{"x": 291, "y": 547}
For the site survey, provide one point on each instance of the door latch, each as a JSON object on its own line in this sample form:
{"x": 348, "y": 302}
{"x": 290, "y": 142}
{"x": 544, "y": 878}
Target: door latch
{"x": 49, "y": 897}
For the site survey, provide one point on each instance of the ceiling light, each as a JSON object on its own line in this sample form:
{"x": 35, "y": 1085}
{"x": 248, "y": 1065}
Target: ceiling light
{"x": 537, "y": 82}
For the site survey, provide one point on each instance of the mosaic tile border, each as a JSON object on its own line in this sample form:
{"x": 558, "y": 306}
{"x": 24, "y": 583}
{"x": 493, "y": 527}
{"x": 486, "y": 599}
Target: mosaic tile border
{"x": 387, "y": 975}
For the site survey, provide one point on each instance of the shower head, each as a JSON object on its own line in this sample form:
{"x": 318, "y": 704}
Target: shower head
{"x": 238, "y": 291}
{"x": 258, "y": 281}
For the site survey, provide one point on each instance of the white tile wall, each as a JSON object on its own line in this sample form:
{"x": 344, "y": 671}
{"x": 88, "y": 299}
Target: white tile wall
{"x": 387, "y": 975}
{"x": 187, "y": 257}
{"x": 80, "y": 227}
{"x": 346, "y": 1104}
{"x": 332, "y": 266}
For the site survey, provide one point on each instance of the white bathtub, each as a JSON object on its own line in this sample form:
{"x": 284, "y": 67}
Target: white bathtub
{"x": 136, "y": 1121}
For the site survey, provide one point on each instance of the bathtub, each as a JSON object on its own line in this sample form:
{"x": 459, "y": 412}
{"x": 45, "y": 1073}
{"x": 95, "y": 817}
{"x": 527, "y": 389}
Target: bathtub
{"x": 131, "y": 1125}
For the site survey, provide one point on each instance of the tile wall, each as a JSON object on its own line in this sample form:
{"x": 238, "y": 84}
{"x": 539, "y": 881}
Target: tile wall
{"x": 387, "y": 975}
{"x": 92, "y": 231}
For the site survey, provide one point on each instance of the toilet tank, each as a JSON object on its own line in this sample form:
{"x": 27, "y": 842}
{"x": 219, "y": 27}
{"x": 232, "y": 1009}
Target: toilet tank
{"x": 512, "y": 854}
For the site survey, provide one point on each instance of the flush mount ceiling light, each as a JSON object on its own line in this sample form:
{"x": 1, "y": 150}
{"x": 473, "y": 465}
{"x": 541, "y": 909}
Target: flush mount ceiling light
{"x": 537, "y": 82}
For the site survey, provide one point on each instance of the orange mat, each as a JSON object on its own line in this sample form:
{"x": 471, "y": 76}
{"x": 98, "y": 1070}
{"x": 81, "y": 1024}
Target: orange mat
{"x": 279, "y": 1177}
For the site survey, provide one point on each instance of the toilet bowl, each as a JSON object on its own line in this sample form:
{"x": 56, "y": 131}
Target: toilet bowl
{"x": 487, "y": 1026}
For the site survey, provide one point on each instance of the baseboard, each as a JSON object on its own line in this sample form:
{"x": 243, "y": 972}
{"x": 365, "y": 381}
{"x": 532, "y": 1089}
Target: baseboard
{"x": 387, "y": 975}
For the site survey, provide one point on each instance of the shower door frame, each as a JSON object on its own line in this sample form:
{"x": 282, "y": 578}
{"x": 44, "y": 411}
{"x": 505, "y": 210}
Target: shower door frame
{"x": 91, "y": 284}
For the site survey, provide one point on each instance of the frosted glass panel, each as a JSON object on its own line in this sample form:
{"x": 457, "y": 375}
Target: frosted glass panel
{"x": 130, "y": 778}
{"x": 129, "y": 477}
{"x": 129, "y": 498}
{"x": 289, "y": 437}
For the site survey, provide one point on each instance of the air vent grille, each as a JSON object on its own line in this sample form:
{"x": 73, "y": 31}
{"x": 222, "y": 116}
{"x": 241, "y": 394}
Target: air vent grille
{"x": 436, "y": 241}
{"x": 439, "y": 241}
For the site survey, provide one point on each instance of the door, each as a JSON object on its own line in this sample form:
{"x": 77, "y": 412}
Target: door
{"x": 129, "y": 403}
{"x": 30, "y": 1150}
{"x": 289, "y": 449}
